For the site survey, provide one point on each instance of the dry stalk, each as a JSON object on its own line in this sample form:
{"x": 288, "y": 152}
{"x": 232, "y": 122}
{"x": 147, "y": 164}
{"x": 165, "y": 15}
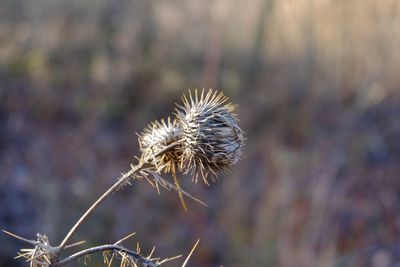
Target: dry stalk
{"x": 204, "y": 138}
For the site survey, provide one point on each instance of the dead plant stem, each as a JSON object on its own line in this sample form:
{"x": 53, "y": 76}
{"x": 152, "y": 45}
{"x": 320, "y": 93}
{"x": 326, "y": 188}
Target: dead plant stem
{"x": 123, "y": 179}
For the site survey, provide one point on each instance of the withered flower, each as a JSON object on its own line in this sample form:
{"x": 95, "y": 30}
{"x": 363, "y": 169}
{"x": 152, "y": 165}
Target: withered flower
{"x": 155, "y": 138}
{"x": 212, "y": 139}
{"x": 206, "y": 134}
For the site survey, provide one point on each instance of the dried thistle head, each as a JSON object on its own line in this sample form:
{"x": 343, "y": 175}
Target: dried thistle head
{"x": 155, "y": 138}
{"x": 212, "y": 139}
{"x": 205, "y": 133}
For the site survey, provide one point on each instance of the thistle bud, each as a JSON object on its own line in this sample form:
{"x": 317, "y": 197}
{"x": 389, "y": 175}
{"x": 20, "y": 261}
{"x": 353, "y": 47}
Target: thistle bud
{"x": 155, "y": 138}
{"x": 212, "y": 141}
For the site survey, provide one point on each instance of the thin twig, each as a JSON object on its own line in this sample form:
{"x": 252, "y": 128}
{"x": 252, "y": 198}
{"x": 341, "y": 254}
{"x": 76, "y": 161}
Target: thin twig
{"x": 33, "y": 242}
{"x": 124, "y": 238}
{"x": 191, "y": 253}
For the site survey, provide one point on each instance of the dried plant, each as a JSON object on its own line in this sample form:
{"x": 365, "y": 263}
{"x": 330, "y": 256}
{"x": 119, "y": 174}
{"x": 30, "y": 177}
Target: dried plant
{"x": 155, "y": 138}
{"x": 203, "y": 139}
{"x": 212, "y": 139}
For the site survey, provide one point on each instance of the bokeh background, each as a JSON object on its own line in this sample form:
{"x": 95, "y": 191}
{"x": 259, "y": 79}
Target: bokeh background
{"x": 317, "y": 83}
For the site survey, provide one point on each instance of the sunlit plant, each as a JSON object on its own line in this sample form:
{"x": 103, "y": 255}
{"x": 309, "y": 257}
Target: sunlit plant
{"x": 203, "y": 139}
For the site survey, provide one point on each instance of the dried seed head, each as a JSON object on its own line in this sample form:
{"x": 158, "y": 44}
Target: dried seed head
{"x": 212, "y": 139}
{"x": 155, "y": 138}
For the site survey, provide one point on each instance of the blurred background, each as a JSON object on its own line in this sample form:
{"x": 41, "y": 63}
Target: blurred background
{"x": 317, "y": 83}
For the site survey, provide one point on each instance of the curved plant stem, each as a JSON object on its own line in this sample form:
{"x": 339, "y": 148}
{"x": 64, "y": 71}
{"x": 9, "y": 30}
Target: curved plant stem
{"x": 104, "y": 248}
